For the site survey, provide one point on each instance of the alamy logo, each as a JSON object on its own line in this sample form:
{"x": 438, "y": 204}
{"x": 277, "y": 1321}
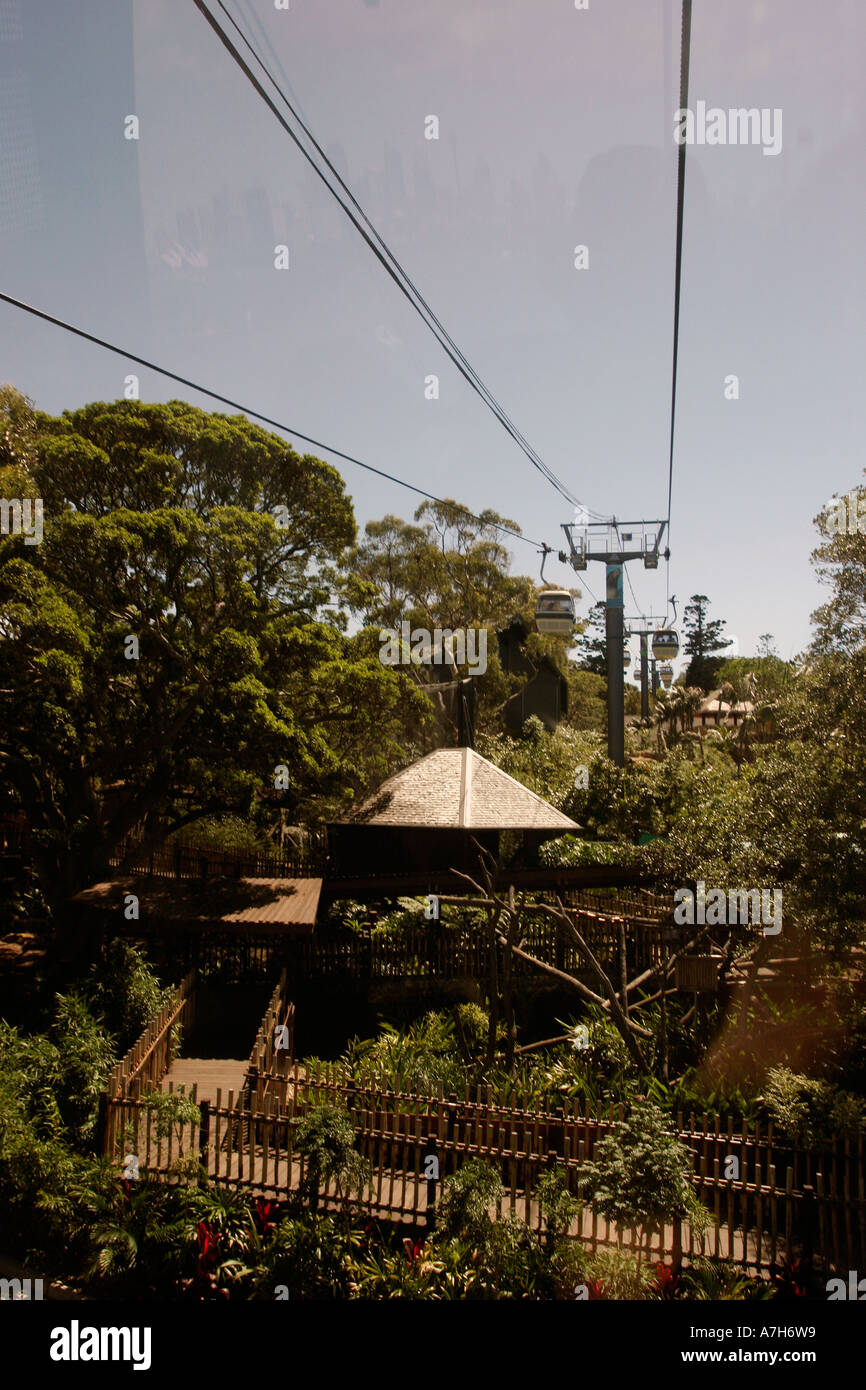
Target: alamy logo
{"x": 21, "y": 517}
{"x": 21, "y": 1290}
{"x": 738, "y": 126}
{"x": 738, "y": 905}
{"x": 416, "y": 646}
{"x": 846, "y": 515}
{"x": 855, "y": 1292}
{"x": 75, "y": 1343}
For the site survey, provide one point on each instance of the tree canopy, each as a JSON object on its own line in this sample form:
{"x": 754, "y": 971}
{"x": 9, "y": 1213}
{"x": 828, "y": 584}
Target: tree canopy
{"x": 704, "y": 636}
{"x": 166, "y": 646}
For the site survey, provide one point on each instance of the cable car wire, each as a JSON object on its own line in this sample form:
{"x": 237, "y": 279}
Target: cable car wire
{"x": 385, "y": 256}
{"x": 246, "y": 410}
{"x": 685, "y": 45}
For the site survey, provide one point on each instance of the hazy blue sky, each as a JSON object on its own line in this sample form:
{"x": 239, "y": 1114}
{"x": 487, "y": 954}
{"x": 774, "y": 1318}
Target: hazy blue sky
{"x": 556, "y": 128}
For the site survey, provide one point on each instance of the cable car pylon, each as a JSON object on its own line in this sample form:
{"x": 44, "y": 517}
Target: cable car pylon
{"x": 613, "y": 544}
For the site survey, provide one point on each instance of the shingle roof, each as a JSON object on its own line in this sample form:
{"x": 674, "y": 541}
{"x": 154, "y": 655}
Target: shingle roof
{"x": 710, "y": 704}
{"x": 456, "y": 789}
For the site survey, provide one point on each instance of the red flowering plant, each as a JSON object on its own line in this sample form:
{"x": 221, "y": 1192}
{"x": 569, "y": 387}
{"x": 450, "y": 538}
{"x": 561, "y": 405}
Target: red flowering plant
{"x": 206, "y": 1280}
{"x": 791, "y": 1278}
{"x": 667, "y": 1283}
{"x": 264, "y": 1213}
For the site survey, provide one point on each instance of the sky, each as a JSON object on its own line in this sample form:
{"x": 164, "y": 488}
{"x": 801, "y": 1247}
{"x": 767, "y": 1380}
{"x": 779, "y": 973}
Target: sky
{"x": 556, "y": 129}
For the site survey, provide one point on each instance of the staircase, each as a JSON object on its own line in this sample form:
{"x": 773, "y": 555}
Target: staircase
{"x": 209, "y": 1074}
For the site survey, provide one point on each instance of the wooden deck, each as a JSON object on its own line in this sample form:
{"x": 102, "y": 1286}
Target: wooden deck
{"x": 211, "y": 1076}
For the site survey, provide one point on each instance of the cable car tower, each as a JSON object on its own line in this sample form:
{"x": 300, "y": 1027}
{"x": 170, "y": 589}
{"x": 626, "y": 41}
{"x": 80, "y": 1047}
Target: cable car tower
{"x": 613, "y": 543}
{"x": 646, "y": 627}
{"x": 665, "y": 645}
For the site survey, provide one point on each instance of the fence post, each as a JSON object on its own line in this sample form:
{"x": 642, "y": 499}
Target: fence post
{"x": 204, "y": 1134}
{"x": 677, "y": 1251}
{"x": 808, "y": 1214}
{"x": 430, "y": 1152}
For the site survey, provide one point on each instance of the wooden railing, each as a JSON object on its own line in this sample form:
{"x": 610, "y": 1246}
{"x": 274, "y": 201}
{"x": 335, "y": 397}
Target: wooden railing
{"x": 774, "y": 1198}
{"x": 190, "y": 861}
{"x": 454, "y": 952}
{"x": 147, "y": 1061}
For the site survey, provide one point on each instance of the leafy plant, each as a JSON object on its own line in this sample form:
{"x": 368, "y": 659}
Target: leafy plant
{"x": 642, "y": 1175}
{"x": 326, "y": 1138}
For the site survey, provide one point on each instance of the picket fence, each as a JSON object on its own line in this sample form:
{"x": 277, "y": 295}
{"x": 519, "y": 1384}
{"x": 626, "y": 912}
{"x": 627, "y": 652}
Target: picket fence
{"x": 776, "y": 1199}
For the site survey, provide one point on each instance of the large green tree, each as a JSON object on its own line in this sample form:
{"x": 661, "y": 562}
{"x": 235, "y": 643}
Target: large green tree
{"x": 704, "y": 636}
{"x": 591, "y": 654}
{"x": 449, "y": 569}
{"x": 166, "y": 647}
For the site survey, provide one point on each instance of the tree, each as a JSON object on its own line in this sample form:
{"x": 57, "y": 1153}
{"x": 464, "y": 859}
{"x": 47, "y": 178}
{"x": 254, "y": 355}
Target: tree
{"x": 591, "y": 645}
{"x": 641, "y": 1176}
{"x": 164, "y": 649}
{"x": 17, "y": 435}
{"x": 448, "y": 570}
{"x": 703, "y": 637}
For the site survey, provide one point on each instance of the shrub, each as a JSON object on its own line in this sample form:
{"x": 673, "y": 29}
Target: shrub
{"x": 641, "y": 1176}
{"x": 808, "y": 1111}
{"x": 326, "y": 1136}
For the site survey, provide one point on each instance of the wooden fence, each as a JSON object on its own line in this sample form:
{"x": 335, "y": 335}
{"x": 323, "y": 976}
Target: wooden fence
{"x": 274, "y": 1048}
{"x": 639, "y": 903}
{"x": 454, "y": 952}
{"x": 433, "y": 952}
{"x": 191, "y": 861}
{"x": 147, "y": 1061}
{"x": 772, "y": 1200}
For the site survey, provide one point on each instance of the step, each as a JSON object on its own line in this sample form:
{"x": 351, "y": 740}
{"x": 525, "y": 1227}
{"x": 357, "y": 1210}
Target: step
{"x": 210, "y": 1074}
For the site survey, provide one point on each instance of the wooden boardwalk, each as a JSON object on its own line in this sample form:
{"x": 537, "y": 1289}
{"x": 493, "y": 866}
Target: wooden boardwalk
{"x": 211, "y": 1075}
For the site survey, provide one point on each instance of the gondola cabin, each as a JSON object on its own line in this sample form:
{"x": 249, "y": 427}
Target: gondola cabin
{"x": 554, "y": 612}
{"x": 666, "y": 644}
{"x": 666, "y": 674}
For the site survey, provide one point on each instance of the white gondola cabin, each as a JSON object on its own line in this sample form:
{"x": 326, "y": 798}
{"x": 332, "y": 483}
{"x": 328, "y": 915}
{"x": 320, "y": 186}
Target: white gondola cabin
{"x": 554, "y": 612}
{"x": 666, "y": 644}
{"x": 666, "y": 675}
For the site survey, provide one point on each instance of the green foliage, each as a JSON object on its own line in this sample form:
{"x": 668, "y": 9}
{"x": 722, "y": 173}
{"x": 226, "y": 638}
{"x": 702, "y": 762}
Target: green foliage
{"x": 473, "y": 1025}
{"x": 326, "y": 1136}
{"x": 546, "y": 763}
{"x": 421, "y": 1055}
{"x": 124, "y": 992}
{"x": 311, "y": 1257}
{"x": 85, "y": 1057}
{"x": 704, "y": 636}
{"x": 464, "y": 1208}
{"x": 558, "y": 1207}
{"x": 174, "y": 1111}
{"x": 641, "y": 1174}
{"x": 233, "y": 834}
{"x": 591, "y": 646}
{"x": 138, "y": 1238}
{"x": 160, "y": 524}
{"x": 756, "y": 677}
{"x": 619, "y": 1275}
{"x": 713, "y": 1281}
{"x": 809, "y": 1111}
{"x": 587, "y": 700}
